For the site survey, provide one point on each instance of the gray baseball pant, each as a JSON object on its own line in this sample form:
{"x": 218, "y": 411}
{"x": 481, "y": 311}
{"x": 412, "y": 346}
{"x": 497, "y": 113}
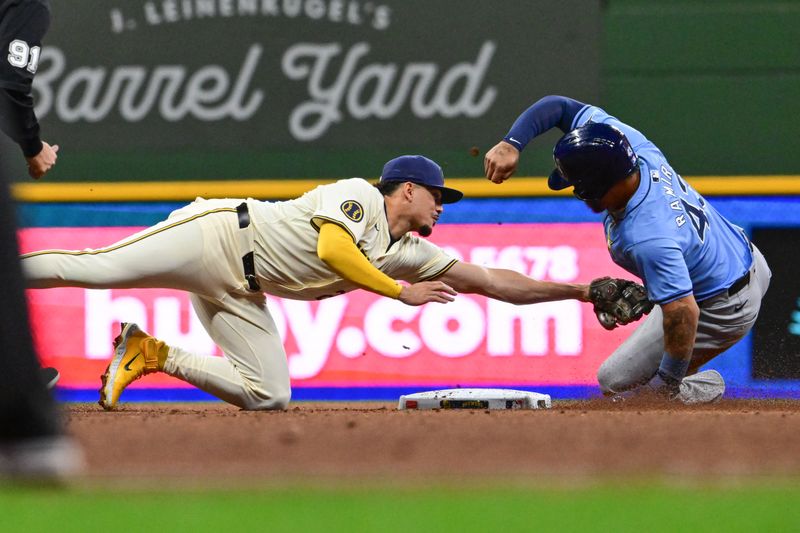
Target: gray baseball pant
{"x": 724, "y": 320}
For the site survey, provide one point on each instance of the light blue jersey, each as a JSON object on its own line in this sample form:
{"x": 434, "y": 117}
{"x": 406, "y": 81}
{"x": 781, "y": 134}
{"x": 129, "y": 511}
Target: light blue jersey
{"x": 668, "y": 235}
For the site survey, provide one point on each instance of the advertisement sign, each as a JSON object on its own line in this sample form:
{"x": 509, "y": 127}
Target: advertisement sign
{"x": 216, "y": 89}
{"x": 360, "y": 339}
{"x": 776, "y": 335}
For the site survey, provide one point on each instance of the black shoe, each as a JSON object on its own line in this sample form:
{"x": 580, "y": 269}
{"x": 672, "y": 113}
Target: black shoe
{"x": 50, "y": 377}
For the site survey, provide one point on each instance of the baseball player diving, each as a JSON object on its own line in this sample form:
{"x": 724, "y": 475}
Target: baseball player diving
{"x": 704, "y": 274}
{"x": 227, "y": 253}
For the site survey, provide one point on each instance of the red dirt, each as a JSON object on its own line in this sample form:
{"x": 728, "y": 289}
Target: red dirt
{"x": 574, "y": 440}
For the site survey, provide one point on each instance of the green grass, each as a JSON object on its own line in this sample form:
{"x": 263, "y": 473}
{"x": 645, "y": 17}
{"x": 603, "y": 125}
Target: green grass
{"x": 406, "y": 510}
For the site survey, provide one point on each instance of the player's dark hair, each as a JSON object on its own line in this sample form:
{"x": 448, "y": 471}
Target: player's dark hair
{"x": 388, "y": 187}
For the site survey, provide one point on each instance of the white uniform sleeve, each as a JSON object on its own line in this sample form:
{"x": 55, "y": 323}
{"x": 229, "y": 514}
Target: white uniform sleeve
{"x": 348, "y": 203}
{"x": 419, "y": 260}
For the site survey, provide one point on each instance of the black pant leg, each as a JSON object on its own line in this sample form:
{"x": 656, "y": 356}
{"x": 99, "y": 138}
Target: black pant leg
{"x": 27, "y": 409}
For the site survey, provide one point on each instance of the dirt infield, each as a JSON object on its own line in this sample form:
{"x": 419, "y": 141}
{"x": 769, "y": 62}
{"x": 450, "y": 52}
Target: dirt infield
{"x": 373, "y": 440}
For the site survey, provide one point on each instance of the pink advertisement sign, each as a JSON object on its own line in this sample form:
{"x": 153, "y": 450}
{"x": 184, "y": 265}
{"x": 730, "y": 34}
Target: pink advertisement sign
{"x": 361, "y": 339}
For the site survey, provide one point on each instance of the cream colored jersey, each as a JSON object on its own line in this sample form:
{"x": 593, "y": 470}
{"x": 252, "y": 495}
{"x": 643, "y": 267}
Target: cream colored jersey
{"x": 286, "y": 236}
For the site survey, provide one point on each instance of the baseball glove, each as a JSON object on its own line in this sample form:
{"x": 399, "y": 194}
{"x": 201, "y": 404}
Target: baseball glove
{"x": 618, "y": 301}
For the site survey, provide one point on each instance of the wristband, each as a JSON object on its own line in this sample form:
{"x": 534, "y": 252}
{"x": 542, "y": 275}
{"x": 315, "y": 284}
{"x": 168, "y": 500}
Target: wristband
{"x": 510, "y": 139}
{"x": 672, "y": 369}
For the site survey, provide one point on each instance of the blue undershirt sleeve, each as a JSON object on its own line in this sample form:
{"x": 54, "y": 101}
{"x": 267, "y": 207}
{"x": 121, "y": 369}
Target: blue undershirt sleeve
{"x": 550, "y": 112}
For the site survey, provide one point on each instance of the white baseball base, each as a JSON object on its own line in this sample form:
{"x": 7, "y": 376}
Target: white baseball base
{"x": 475, "y": 399}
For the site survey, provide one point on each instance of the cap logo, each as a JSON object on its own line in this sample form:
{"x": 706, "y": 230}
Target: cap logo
{"x": 352, "y": 210}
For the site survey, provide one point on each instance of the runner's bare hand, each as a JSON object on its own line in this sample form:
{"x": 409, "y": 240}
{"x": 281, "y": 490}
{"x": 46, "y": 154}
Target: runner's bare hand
{"x": 501, "y": 162}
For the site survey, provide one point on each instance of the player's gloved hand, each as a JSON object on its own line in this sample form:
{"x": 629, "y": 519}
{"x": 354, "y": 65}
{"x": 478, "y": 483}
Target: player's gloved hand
{"x": 618, "y": 301}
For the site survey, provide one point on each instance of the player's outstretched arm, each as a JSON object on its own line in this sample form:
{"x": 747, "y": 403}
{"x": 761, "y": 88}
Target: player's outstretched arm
{"x": 501, "y": 162}
{"x": 427, "y": 291}
{"x": 509, "y": 286}
{"x": 337, "y": 250}
{"x": 549, "y": 112}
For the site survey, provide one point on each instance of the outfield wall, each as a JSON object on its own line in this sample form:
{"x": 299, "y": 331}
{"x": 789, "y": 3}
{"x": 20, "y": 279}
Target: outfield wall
{"x": 142, "y": 90}
{"x": 217, "y": 89}
{"x": 713, "y": 83}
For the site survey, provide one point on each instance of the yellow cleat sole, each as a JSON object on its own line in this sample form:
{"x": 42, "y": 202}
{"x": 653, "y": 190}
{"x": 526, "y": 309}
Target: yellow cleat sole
{"x": 107, "y": 382}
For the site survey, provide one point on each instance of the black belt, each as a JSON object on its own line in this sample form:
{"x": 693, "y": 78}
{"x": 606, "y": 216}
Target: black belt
{"x": 243, "y": 214}
{"x": 742, "y": 282}
{"x": 739, "y": 284}
{"x": 248, "y": 259}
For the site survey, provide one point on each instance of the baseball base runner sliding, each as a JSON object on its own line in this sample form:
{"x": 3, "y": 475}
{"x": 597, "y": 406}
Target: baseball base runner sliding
{"x": 704, "y": 274}
{"x": 336, "y": 238}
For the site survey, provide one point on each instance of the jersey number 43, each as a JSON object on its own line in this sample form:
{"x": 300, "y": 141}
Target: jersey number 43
{"x": 698, "y": 218}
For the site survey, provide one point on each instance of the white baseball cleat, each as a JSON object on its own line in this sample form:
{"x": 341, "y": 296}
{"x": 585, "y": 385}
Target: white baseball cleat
{"x": 704, "y": 387}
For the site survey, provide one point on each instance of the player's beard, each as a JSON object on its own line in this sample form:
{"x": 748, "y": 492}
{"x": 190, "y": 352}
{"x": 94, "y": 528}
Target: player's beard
{"x": 425, "y": 230}
{"x": 595, "y": 205}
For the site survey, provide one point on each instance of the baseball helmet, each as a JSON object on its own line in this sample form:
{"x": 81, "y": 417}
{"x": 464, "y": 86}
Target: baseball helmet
{"x": 592, "y": 159}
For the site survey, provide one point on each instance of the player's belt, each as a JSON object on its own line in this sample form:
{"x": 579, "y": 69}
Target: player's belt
{"x": 742, "y": 282}
{"x": 248, "y": 259}
{"x": 735, "y": 287}
{"x": 243, "y": 214}
{"x": 739, "y": 284}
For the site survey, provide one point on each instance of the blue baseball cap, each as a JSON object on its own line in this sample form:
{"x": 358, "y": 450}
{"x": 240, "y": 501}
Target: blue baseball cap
{"x": 422, "y": 171}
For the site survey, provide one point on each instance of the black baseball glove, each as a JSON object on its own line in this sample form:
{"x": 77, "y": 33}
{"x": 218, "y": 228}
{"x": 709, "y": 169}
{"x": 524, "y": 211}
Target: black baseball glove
{"x": 618, "y": 301}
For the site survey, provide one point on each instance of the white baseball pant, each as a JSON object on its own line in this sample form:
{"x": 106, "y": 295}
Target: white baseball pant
{"x": 198, "y": 249}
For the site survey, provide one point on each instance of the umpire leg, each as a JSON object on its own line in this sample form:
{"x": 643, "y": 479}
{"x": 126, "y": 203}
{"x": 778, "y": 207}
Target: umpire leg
{"x": 26, "y": 408}
{"x": 32, "y": 440}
